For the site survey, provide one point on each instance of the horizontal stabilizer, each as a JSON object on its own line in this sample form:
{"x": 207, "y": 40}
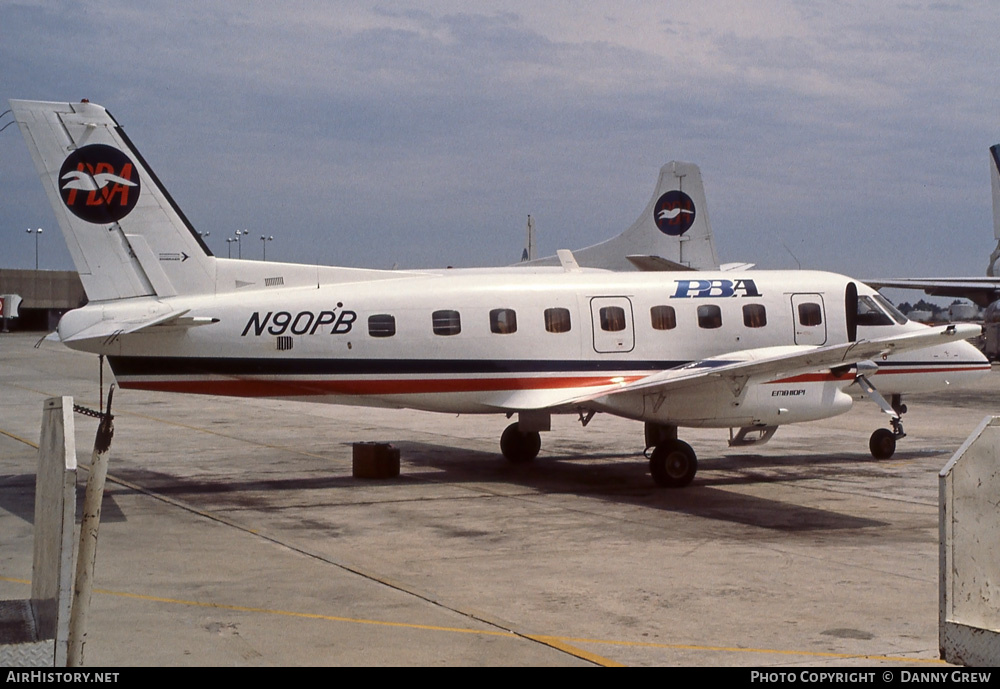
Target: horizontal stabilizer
{"x": 73, "y": 329}
{"x": 652, "y": 264}
{"x": 109, "y": 327}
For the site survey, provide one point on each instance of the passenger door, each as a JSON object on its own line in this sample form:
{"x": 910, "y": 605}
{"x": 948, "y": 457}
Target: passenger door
{"x": 613, "y": 326}
{"x": 809, "y": 317}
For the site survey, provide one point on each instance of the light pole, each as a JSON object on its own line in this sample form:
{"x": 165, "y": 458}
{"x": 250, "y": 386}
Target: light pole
{"x": 263, "y": 242}
{"x": 240, "y": 234}
{"x": 229, "y": 245}
{"x": 36, "y": 233}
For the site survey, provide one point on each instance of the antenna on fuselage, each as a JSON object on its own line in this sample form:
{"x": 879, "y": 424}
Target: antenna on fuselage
{"x": 797, "y": 263}
{"x": 529, "y": 248}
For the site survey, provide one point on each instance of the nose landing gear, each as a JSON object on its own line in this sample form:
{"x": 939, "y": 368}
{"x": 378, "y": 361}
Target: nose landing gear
{"x": 882, "y": 443}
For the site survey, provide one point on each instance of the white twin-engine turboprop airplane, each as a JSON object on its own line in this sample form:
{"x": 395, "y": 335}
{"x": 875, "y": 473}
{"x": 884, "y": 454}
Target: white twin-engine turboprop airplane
{"x": 670, "y": 347}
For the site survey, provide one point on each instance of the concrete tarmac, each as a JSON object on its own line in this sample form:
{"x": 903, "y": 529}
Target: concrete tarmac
{"x": 234, "y": 534}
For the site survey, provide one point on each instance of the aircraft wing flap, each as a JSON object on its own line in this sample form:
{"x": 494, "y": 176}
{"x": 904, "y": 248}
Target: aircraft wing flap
{"x": 532, "y": 400}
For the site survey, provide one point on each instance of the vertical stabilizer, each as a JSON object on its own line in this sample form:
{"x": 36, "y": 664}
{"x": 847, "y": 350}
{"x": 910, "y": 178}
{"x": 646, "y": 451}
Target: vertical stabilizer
{"x": 673, "y": 232}
{"x": 126, "y": 236}
{"x": 995, "y": 183}
{"x": 995, "y": 177}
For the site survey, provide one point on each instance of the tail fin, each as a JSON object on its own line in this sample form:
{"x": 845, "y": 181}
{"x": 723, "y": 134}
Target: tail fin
{"x": 125, "y": 234}
{"x": 673, "y": 233}
{"x": 995, "y": 180}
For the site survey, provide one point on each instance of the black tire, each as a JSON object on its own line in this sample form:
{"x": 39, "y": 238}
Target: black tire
{"x": 882, "y": 444}
{"x": 519, "y": 447}
{"x": 673, "y": 464}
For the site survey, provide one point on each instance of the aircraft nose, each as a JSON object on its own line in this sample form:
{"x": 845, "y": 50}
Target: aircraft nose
{"x": 969, "y": 352}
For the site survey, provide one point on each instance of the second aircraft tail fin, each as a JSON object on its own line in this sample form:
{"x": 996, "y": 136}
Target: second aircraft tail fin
{"x": 995, "y": 184}
{"x": 673, "y": 232}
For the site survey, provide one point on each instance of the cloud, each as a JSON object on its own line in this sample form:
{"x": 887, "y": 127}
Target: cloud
{"x": 423, "y": 133}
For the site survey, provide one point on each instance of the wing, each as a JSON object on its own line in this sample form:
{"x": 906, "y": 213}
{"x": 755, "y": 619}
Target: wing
{"x": 982, "y": 291}
{"x": 740, "y": 368}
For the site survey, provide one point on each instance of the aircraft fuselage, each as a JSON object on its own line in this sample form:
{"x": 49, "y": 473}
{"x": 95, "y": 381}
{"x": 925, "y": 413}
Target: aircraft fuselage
{"x": 470, "y": 341}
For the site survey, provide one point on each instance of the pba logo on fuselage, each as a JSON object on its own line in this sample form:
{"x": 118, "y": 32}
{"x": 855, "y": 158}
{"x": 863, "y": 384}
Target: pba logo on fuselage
{"x": 674, "y": 213}
{"x": 99, "y": 184}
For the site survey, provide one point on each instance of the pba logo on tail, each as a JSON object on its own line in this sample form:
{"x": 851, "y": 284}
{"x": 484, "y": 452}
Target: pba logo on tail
{"x": 674, "y": 213}
{"x": 99, "y": 184}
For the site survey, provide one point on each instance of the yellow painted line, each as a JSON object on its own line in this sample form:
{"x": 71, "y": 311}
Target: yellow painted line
{"x": 741, "y": 649}
{"x": 18, "y": 438}
{"x": 221, "y": 435}
{"x": 139, "y": 489}
{"x": 562, "y": 643}
{"x": 184, "y": 425}
{"x": 306, "y": 615}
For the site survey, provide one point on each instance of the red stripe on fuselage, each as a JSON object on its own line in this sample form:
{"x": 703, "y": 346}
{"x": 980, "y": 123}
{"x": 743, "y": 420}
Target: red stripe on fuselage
{"x": 297, "y": 388}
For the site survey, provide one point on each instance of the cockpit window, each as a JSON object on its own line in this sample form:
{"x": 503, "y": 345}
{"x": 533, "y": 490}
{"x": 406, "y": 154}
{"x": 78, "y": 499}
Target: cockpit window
{"x": 870, "y": 314}
{"x": 887, "y": 306}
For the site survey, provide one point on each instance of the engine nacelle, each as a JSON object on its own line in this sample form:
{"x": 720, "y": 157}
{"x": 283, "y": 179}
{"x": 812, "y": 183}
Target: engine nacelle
{"x": 717, "y": 405}
{"x": 779, "y": 403}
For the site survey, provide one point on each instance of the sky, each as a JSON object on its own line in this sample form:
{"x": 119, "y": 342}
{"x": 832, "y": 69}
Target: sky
{"x": 841, "y": 136}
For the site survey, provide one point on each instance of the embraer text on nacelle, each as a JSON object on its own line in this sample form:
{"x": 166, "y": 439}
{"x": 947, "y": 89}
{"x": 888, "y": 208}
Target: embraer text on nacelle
{"x": 687, "y": 289}
{"x": 302, "y": 323}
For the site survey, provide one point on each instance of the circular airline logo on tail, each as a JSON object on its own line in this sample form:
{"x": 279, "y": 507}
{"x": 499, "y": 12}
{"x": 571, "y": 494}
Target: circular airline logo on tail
{"x": 99, "y": 184}
{"x": 674, "y": 213}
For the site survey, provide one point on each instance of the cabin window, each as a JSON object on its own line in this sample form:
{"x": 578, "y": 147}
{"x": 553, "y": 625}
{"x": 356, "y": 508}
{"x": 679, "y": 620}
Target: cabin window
{"x": 557, "y": 320}
{"x": 663, "y": 317}
{"x": 381, "y": 325}
{"x": 754, "y": 316}
{"x": 709, "y": 316}
{"x": 446, "y": 322}
{"x": 612, "y": 319}
{"x": 810, "y": 314}
{"x": 503, "y": 321}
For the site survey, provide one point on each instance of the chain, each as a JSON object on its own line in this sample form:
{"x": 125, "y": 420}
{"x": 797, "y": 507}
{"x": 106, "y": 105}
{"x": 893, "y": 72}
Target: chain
{"x": 90, "y": 412}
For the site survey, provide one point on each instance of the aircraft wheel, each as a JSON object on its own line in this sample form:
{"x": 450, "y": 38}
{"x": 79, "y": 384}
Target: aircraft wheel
{"x": 519, "y": 447}
{"x": 882, "y": 444}
{"x": 673, "y": 464}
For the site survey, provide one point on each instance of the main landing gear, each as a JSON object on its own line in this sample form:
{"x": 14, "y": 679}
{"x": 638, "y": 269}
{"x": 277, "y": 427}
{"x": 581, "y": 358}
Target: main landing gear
{"x": 519, "y": 447}
{"x": 672, "y": 462}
